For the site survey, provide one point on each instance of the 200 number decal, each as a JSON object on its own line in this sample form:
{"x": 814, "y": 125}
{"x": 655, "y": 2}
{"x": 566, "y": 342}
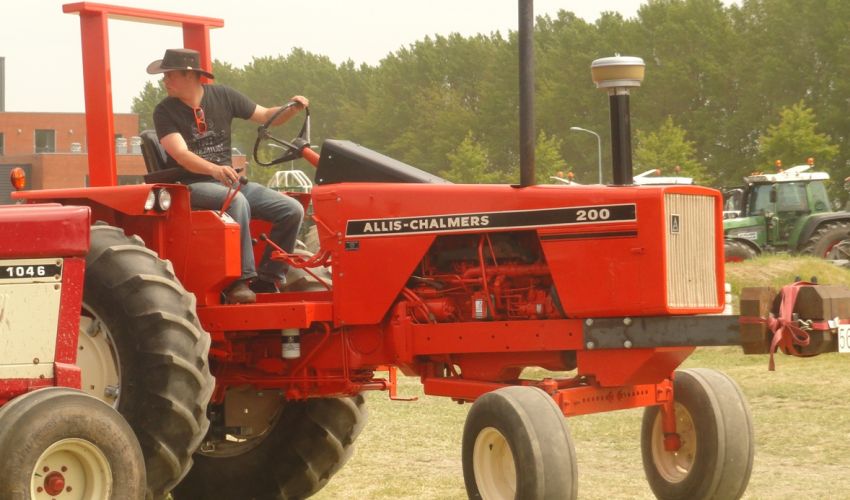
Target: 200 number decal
{"x": 593, "y": 214}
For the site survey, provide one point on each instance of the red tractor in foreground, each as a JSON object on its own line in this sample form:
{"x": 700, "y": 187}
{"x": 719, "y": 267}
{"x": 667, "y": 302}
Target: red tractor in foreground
{"x": 56, "y": 441}
{"x": 613, "y": 284}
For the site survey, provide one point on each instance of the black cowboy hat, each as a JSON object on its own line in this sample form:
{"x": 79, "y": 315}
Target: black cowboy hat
{"x": 178, "y": 60}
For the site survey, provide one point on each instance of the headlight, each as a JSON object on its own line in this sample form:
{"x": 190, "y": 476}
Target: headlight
{"x": 164, "y": 198}
{"x": 149, "y": 203}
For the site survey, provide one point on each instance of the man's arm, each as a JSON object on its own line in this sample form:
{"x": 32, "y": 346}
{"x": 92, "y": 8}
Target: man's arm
{"x": 175, "y": 146}
{"x": 262, "y": 114}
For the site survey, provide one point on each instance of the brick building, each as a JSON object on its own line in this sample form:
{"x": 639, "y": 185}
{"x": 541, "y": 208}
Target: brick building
{"x": 51, "y": 148}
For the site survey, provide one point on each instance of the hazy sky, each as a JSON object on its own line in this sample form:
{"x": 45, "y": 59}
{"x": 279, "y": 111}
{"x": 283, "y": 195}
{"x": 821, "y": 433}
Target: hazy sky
{"x": 41, "y": 44}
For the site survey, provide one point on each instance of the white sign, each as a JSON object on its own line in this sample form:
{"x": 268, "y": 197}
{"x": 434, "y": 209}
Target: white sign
{"x": 844, "y": 338}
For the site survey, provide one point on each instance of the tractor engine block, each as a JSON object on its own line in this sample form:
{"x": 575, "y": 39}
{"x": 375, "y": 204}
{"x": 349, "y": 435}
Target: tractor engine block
{"x": 490, "y": 276}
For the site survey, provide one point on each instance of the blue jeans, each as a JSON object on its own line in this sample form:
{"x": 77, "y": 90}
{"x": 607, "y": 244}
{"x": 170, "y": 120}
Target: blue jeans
{"x": 284, "y": 212}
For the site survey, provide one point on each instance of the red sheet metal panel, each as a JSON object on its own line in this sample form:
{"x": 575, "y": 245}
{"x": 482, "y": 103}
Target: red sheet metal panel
{"x": 43, "y": 231}
{"x": 606, "y": 247}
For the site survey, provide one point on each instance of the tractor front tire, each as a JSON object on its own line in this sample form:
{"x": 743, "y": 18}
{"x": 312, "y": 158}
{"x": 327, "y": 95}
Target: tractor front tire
{"x": 306, "y": 445}
{"x": 827, "y": 236}
{"x": 516, "y": 444}
{"x": 151, "y": 334}
{"x": 737, "y": 251}
{"x": 59, "y": 442}
{"x": 715, "y": 428}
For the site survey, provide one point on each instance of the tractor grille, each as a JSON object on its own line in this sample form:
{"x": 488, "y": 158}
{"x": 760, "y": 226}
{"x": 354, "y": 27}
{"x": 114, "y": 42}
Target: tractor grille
{"x": 691, "y": 266}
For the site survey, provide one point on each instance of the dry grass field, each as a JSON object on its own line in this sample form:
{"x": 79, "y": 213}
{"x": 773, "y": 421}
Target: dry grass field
{"x": 801, "y": 413}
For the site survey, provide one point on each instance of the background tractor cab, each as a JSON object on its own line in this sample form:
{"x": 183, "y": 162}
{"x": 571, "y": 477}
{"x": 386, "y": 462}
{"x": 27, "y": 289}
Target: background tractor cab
{"x": 788, "y": 211}
{"x": 566, "y": 180}
{"x": 653, "y": 177}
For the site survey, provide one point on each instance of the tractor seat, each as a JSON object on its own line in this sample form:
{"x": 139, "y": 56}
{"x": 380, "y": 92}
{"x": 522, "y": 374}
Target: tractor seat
{"x": 162, "y": 169}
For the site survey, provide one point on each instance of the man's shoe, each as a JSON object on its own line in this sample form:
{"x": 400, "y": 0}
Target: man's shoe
{"x": 240, "y": 293}
{"x": 260, "y": 285}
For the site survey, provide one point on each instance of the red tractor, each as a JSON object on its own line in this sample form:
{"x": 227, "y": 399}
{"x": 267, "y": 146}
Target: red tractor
{"x": 611, "y": 283}
{"x": 57, "y": 441}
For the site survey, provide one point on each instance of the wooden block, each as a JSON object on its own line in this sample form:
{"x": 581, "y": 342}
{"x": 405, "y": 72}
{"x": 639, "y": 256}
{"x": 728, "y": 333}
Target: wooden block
{"x": 756, "y": 302}
{"x": 823, "y": 302}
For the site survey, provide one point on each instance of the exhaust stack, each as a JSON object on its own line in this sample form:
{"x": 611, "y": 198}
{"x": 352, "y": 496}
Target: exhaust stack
{"x": 618, "y": 75}
{"x": 525, "y": 35}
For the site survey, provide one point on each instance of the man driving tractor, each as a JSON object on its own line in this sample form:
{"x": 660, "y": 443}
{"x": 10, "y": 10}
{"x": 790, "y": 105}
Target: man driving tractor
{"x": 193, "y": 125}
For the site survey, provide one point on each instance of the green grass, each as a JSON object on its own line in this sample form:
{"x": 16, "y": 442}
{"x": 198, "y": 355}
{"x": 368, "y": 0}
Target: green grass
{"x": 801, "y": 418}
{"x": 779, "y": 270}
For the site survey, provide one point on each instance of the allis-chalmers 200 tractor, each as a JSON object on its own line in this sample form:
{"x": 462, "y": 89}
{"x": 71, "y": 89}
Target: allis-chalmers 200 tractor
{"x": 463, "y": 286}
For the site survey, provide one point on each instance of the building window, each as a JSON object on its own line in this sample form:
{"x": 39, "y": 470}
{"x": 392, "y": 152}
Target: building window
{"x": 2, "y": 145}
{"x": 45, "y": 141}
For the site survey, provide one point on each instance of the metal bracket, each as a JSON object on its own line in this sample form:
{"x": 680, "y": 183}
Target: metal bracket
{"x": 661, "y": 331}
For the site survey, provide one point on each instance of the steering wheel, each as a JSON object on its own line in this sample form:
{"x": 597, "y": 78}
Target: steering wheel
{"x": 292, "y": 149}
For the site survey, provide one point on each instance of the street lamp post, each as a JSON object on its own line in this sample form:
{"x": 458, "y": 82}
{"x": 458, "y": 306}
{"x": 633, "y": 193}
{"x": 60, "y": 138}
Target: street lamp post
{"x": 598, "y": 144}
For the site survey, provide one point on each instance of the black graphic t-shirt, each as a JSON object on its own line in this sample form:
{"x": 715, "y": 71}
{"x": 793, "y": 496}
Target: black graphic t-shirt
{"x": 220, "y": 105}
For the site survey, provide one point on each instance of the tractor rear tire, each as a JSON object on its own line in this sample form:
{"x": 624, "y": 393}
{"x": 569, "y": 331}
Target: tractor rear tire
{"x": 737, "y": 251}
{"x": 716, "y": 432}
{"x": 516, "y": 444}
{"x": 309, "y": 442}
{"x": 158, "y": 348}
{"x": 60, "y": 442}
{"x": 827, "y": 236}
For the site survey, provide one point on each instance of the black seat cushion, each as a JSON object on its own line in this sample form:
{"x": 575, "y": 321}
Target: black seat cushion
{"x": 161, "y": 167}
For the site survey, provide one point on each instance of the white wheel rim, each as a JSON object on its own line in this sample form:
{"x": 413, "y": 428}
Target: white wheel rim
{"x": 674, "y": 466}
{"x": 493, "y": 465}
{"x": 97, "y": 361}
{"x": 72, "y": 469}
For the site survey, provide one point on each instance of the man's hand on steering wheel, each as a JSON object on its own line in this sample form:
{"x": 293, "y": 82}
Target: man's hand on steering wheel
{"x": 292, "y": 149}
{"x": 301, "y": 100}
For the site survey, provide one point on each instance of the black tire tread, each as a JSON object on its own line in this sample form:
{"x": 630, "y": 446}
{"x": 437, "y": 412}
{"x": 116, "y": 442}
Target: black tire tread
{"x": 734, "y": 248}
{"x": 825, "y": 231}
{"x": 310, "y": 442}
{"x": 138, "y": 296}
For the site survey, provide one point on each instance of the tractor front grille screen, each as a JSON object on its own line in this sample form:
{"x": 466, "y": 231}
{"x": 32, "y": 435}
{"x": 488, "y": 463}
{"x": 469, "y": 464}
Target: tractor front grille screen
{"x": 691, "y": 266}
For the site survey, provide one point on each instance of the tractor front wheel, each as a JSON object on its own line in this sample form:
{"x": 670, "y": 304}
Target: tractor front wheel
{"x": 827, "y": 236}
{"x": 62, "y": 443}
{"x": 143, "y": 351}
{"x": 306, "y": 443}
{"x": 516, "y": 444}
{"x": 715, "y": 430}
{"x": 737, "y": 251}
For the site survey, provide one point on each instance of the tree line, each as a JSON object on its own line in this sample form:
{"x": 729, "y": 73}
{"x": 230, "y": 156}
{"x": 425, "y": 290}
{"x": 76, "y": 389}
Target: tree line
{"x": 728, "y": 90}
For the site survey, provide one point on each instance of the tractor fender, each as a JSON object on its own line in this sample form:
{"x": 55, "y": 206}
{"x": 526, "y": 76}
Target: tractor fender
{"x": 815, "y": 221}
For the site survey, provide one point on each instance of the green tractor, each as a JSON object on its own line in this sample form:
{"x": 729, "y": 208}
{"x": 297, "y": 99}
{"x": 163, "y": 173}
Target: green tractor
{"x": 789, "y": 211}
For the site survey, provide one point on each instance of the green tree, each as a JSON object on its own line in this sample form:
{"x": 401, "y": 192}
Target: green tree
{"x": 722, "y": 73}
{"x": 667, "y": 148}
{"x": 147, "y": 100}
{"x": 795, "y": 138}
{"x": 470, "y": 164}
{"x": 547, "y": 157}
